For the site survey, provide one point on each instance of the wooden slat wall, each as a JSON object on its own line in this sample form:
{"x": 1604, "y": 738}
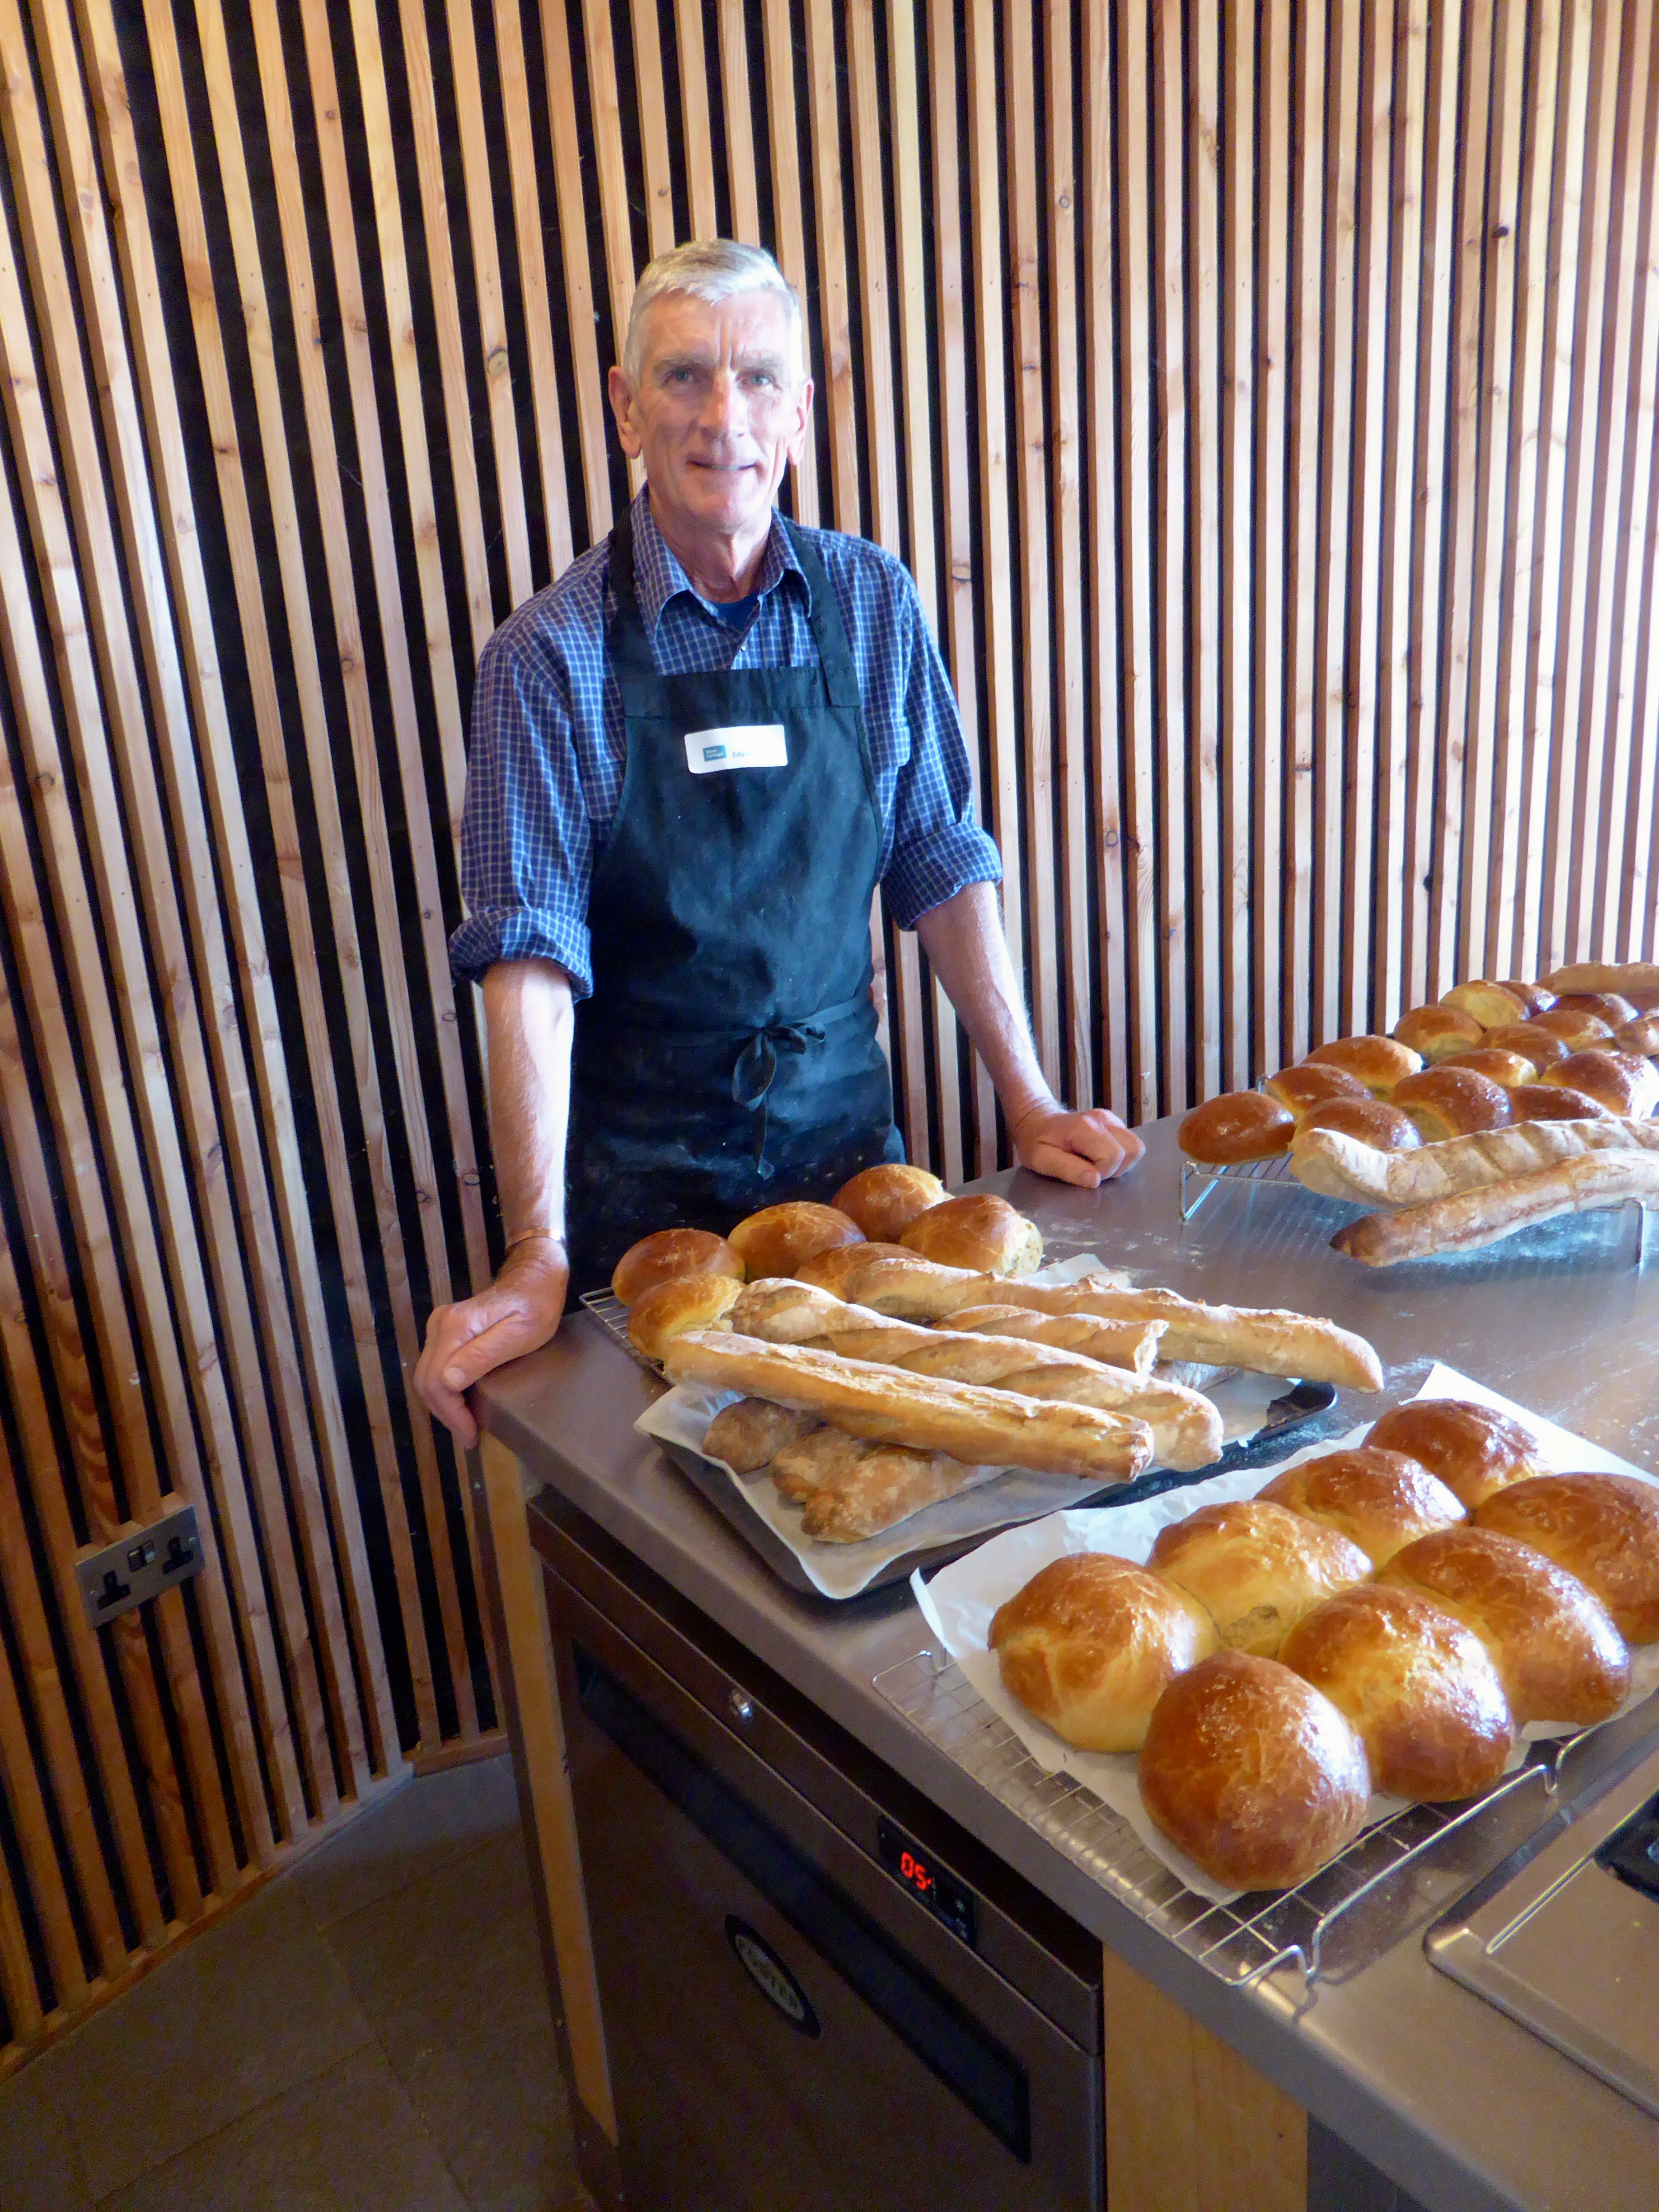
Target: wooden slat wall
{"x": 1266, "y": 403}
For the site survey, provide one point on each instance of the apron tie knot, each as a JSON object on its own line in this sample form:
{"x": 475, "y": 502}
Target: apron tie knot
{"x": 756, "y": 1066}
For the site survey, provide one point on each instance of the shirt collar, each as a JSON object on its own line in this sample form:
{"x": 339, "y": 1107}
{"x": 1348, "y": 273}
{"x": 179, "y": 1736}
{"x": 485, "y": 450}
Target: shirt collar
{"x": 659, "y": 577}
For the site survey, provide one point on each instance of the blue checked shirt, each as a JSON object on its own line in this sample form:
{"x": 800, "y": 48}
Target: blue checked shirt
{"x": 545, "y": 772}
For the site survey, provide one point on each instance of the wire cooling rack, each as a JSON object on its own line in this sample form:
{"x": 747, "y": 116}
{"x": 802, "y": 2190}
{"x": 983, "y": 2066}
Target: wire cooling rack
{"x": 1239, "y": 1943}
{"x": 1200, "y": 1177}
{"x": 608, "y": 1310}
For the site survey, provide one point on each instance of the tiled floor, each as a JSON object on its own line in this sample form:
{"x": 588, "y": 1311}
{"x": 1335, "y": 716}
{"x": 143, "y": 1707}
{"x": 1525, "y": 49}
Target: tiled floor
{"x": 369, "y": 2034}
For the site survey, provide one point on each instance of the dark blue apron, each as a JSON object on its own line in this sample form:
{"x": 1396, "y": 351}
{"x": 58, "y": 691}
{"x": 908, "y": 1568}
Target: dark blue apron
{"x": 727, "y": 1058}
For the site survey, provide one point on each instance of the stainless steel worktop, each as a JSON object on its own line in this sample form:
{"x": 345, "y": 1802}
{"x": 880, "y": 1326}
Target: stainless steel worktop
{"x": 1459, "y": 2105}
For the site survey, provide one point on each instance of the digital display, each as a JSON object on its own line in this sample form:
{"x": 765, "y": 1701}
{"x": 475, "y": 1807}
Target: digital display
{"x": 918, "y": 1871}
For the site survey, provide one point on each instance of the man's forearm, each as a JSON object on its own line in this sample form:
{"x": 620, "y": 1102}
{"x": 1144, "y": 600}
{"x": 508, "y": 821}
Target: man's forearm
{"x": 531, "y": 1022}
{"x": 965, "y": 942}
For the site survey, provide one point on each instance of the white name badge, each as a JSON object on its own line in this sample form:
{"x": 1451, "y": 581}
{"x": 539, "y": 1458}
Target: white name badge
{"x": 759, "y": 745}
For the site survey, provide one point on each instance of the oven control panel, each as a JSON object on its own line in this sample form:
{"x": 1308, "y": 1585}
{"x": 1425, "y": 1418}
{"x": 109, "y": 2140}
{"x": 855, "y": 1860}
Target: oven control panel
{"x": 921, "y": 1873}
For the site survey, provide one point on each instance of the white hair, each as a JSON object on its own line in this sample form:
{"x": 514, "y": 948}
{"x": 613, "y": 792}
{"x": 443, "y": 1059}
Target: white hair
{"x": 711, "y": 270}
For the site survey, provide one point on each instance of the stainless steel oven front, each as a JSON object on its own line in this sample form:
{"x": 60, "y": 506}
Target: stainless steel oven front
{"x": 817, "y": 1992}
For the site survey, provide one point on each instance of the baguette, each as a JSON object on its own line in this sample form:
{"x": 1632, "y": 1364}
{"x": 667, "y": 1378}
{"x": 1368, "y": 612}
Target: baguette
{"x": 922, "y": 1290}
{"x": 1131, "y": 1344}
{"x": 967, "y": 1421}
{"x": 1628, "y": 977}
{"x": 1340, "y": 1167}
{"x": 886, "y": 1486}
{"x": 1469, "y": 1219}
{"x": 1186, "y": 1427}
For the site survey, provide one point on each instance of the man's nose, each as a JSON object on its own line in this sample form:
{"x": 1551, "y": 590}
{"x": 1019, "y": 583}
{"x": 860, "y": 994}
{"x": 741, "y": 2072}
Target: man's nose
{"x": 722, "y": 402}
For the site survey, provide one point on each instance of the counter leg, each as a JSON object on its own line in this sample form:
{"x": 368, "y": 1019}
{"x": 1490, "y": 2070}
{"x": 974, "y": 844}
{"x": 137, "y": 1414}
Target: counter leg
{"x": 1190, "y": 2127}
{"x": 513, "y": 1581}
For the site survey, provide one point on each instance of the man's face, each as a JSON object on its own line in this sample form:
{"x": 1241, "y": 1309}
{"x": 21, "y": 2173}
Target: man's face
{"x": 717, "y": 412}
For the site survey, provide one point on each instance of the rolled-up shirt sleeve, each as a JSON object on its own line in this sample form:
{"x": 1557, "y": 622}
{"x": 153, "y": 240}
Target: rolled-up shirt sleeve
{"x": 526, "y": 836}
{"x": 938, "y": 848}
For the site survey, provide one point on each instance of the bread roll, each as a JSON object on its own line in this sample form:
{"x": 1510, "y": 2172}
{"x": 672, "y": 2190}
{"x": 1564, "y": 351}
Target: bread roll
{"x": 1091, "y": 1643}
{"x": 1376, "y": 1121}
{"x": 1452, "y": 1102}
{"x": 1255, "y": 1568}
{"x": 748, "y": 1433}
{"x": 971, "y": 1422}
{"x": 981, "y": 1231}
{"x": 1239, "y": 1125}
{"x": 1437, "y": 1031}
{"x": 667, "y": 1253}
{"x": 1132, "y": 1345}
{"x": 1542, "y": 1046}
{"x": 832, "y": 1270}
{"x": 1641, "y": 1035}
{"x": 1305, "y": 1087}
{"x": 1624, "y": 1082}
{"x": 1380, "y": 1062}
{"x": 1608, "y": 1006}
{"x": 884, "y": 1200}
{"x": 1534, "y": 997}
{"x": 1477, "y": 1218}
{"x": 1604, "y": 1528}
{"x": 1473, "y": 1448}
{"x": 1417, "y": 1686}
{"x": 1380, "y": 1500}
{"x": 1555, "y": 1101}
{"x": 1339, "y": 1169}
{"x": 1491, "y": 1004}
{"x": 776, "y": 1240}
{"x": 658, "y": 1316}
{"x": 1557, "y": 1655}
{"x": 1631, "y": 979}
{"x": 886, "y": 1486}
{"x": 1507, "y": 1069}
{"x": 1252, "y": 1772}
{"x": 1575, "y": 1029}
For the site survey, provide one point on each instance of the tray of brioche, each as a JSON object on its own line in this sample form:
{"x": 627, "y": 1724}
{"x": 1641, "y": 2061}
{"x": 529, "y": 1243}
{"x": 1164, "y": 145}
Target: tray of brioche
{"x": 1505, "y": 1106}
{"x": 854, "y": 1401}
{"x": 1253, "y": 1681}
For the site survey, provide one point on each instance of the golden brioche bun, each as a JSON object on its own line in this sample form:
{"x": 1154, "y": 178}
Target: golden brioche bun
{"x": 1625, "y": 1083}
{"x": 1380, "y": 1062}
{"x": 1417, "y": 1686}
{"x": 1609, "y": 1006}
{"x": 1536, "y": 998}
{"x": 667, "y": 1253}
{"x": 1306, "y": 1088}
{"x": 1255, "y": 1568}
{"x": 981, "y": 1231}
{"x": 1369, "y": 1120}
{"x": 1544, "y": 1101}
{"x": 1640, "y": 1035}
{"x": 1239, "y": 1125}
{"x": 830, "y": 1270}
{"x": 777, "y": 1239}
{"x": 1091, "y": 1643}
{"x": 884, "y": 1200}
{"x": 1575, "y": 1028}
{"x": 1252, "y": 1772}
{"x": 1602, "y": 1527}
{"x": 658, "y": 1316}
{"x": 1506, "y": 1069}
{"x": 1452, "y": 1102}
{"x": 1491, "y": 1004}
{"x": 1557, "y": 1654}
{"x": 1380, "y": 1500}
{"x": 1541, "y": 1046}
{"x": 1435, "y": 1032}
{"x": 1473, "y": 1448}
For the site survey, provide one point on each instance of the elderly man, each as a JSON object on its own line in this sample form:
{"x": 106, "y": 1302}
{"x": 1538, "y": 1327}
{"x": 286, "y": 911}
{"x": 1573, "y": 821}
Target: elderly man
{"x": 694, "y": 757}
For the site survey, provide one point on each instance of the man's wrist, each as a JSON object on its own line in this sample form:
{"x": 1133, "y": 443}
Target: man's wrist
{"x": 534, "y": 1237}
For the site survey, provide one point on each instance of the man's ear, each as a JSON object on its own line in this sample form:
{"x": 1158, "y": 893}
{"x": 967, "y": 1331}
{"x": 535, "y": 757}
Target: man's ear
{"x": 803, "y": 418}
{"x": 622, "y": 406}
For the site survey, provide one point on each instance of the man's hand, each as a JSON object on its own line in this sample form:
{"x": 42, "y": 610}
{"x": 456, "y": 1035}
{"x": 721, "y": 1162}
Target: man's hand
{"x": 518, "y": 1312}
{"x": 1087, "y": 1149}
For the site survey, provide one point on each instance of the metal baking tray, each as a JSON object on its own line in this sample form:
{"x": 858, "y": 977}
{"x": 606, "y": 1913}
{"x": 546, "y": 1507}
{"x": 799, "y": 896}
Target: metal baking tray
{"x": 1290, "y": 1414}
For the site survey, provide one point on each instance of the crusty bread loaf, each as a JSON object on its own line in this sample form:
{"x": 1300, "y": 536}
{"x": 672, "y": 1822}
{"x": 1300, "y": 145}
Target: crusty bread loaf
{"x": 1380, "y": 1500}
{"x": 884, "y": 1200}
{"x": 803, "y": 1464}
{"x": 1091, "y": 1643}
{"x": 1417, "y": 1686}
{"x": 980, "y": 1231}
{"x": 1624, "y": 1083}
{"x": 1375, "y": 1122}
{"x": 966, "y": 1420}
{"x": 667, "y": 1253}
{"x": 1437, "y": 1031}
{"x": 1239, "y": 1125}
{"x": 830, "y": 1270}
{"x": 668, "y": 1309}
{"x": 1478, "y": 1217}
{"x": 886, "y": 1486}
{"x": 1340, "y": 1168}
{"x": 1546, "y": 1101}
{"x": 1539, "y": 1046}
{"x": 1575, "y": 1028}
{"x": 748, "y": 1433}
{"x": 1630, "y": 978}
{"x": 1252, "y": 1772}
{"x": 1255, "y": 1567}
{"x": 914, "y": 1289}
{"x": 1473, "y": 1448}
{"x": 1604, "y": 1528}
{"x": 1498, "y": 1065}
{"x": 777, "y": 1239}
{"x": 1556, "y": 1652}
{"x": 1380, "y": 1062}
{"x": 1491, "y": 1004}
{"x": 1308, "y": 1085}
{"x": 1266, "y": 1341}
{"x": 1452, "y": 1102}
{"x": 1130, "y": 1344}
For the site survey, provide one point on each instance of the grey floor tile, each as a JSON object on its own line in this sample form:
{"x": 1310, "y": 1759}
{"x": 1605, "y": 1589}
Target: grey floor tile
{"x": 346, "y": 2141}
{"x": 245, "y": 2012}
{"x": 448, "y": 1972}
{"x": 41, "y": 2164}
{"x": 422, "y": 1827}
